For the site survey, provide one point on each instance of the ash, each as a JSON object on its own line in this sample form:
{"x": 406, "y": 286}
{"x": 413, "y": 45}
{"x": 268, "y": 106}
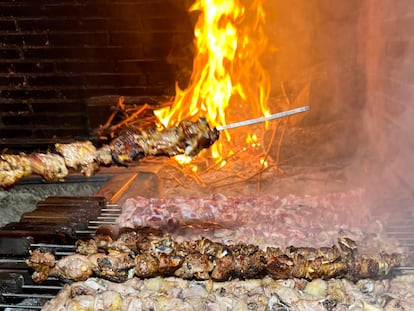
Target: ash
{"x": 23, "y": 198}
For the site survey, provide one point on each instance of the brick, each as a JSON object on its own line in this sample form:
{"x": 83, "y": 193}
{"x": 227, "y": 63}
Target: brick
{"x": 26, "y": 9}
{"x": 137, "y": 65}
{"x": 92, "y": 53}
{"x": 48, "y": 120}
{"x": 168, "y": 24}
{"x": 26, "y": 67}
{"x": 115, "y": 80}
{"x": 83, "y": 66}
{"x": 55, "y": 80}
{"x": 32, "y": 93}
{"x": 157, "y": 90}
{"x": 47, "y": 23}
{"x": 7, "y": 25}
{"x": 78, "y": 39}
{"x": 67, "y": 9}
{"x": 9, "y": 53}
{"x": 73, "y": 93}
{"x": 11, "y": 81}
{"x": 18, "y": 39}
{"x": 17, "y": 108}
{"x": 73, "y": 106}
{"x": 15, "y": 132}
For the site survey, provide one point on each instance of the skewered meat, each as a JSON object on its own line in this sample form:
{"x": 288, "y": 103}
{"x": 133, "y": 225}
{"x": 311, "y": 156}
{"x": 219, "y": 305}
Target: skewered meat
{"x": 187, "y": 138}
{"x": 203, "y": 259}
{"x": 50, "y": 166}
{"x": 13, "y": 168}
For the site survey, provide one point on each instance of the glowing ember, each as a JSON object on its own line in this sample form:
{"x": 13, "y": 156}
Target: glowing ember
{"x": 228, "y": 82}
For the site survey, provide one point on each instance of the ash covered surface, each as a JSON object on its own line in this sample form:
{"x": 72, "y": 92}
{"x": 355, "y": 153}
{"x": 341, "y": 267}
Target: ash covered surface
{"x": 23, "y": 198}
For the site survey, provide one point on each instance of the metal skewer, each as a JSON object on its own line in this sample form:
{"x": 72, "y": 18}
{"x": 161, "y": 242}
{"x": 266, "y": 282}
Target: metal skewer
{"x": 263, "y": 119}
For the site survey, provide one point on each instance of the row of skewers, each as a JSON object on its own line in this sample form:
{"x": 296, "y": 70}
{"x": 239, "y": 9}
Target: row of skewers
{"x": 132, "y": 144}
{"x": 147, "y": 253}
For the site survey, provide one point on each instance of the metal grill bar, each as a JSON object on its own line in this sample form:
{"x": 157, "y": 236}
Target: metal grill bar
{"x": 21, "y": 306}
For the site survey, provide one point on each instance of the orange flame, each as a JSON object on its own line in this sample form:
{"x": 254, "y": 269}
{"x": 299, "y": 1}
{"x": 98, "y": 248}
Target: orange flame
{"x": 228, "y": 82}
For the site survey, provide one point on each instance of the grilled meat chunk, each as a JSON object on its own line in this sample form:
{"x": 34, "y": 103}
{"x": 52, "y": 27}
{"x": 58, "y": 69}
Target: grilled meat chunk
{"x": 13, "y": 168}
{"x": 75, "y": 267}
{"x": 115, "y": 266}
{"x": 42, "y": 263}
{"x": 79, "y": 156}
{"x": 187, "y": 138}
{"x": 50, "y": 166}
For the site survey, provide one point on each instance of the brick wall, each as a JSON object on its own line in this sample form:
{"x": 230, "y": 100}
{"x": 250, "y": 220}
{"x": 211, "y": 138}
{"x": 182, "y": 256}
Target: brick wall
{"x": 386, "y": 41}
{"x": 57, "y": 54}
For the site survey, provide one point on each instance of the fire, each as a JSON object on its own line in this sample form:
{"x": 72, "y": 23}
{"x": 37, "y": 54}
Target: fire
{"x": 228, "y": 82}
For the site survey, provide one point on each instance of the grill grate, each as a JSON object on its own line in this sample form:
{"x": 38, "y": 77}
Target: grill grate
{"x": 18, "y": 291}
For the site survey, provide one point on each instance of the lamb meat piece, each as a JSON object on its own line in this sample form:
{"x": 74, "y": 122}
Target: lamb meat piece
{"x": 240, "y": 261}
{"x": 104, "y": 155}
{"x": 195, "y": 266}
{"x": 86, "y": 247}
{"x": 187, "y": 138}
{"x": 116, "y": 266}
{"x": 280, "y": 267}
{"x": 249, "y": 261}
{"x": 126, "y": 147}
{"x": 42, "y": 263}
{"x": 127, "y": 240}
{"x": 75, "y": 267}
{"x": 50, "y": 166}
{"x": 374, "y": 266}
{"x": 328, "y": 253}
{"x": 146, "y": 266}
{"x": 224, "y": 268}
{"x": 80, "y": 155}
{"x": 13, "y": 168}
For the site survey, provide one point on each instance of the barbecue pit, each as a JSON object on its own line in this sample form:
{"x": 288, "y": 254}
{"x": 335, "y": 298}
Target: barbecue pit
{"x": 66, "y": 65}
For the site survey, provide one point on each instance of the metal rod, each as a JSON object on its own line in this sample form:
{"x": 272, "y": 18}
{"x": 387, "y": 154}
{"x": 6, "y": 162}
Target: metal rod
{"x": 81, "y": 232}
{"x": 26, "y": 295}
{"x": 52, "y": 245}
{"x": 11, "y": 260}
{"x": 107, "y": 218}
{"x": 102, "y": 222}
{"x": 20, "y": 306}
{"x": 404, "y": 268}
{"x": 263, "y": 119}
{"x": 29, "y": 286}
{"x": 111, "y": 210}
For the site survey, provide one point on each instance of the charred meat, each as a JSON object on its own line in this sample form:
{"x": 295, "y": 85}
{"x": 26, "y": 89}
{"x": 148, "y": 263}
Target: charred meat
{"x": 13, "y": 168}
{"x": 187, "y": 138}
{"x": 50, "y": 166}
{"x": 204, "y": 259}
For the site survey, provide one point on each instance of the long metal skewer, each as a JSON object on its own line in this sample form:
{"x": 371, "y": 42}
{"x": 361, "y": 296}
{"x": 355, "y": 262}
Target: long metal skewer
{"x": 263, "y": 119}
